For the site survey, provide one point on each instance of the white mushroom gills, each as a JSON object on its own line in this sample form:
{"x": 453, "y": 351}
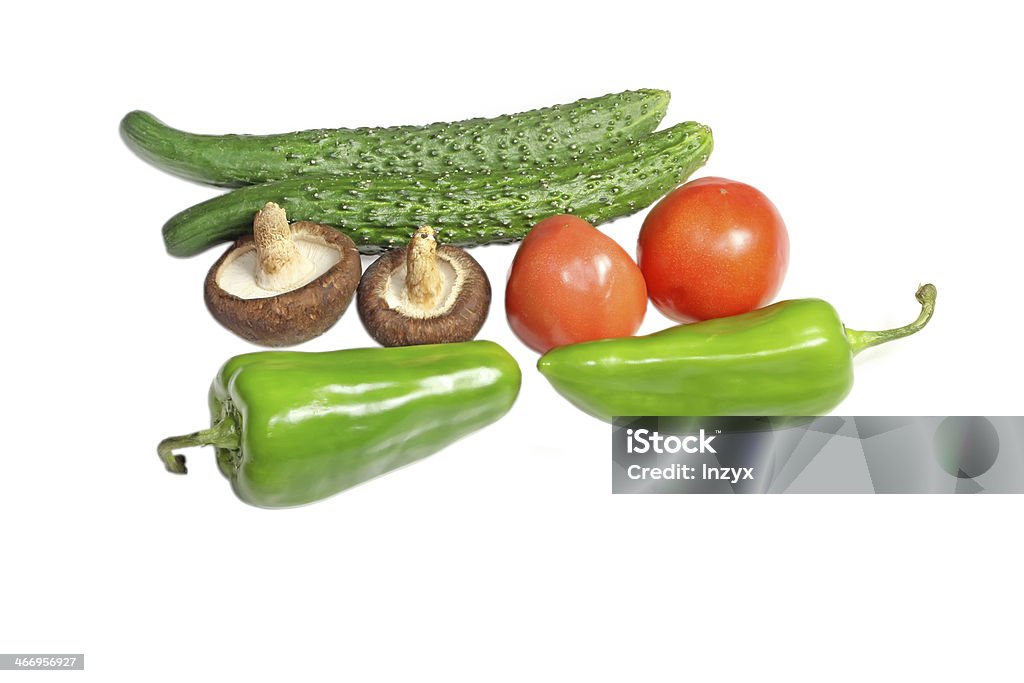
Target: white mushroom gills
{"x": 428, "y": 284}
{"x": 280, "y": 260}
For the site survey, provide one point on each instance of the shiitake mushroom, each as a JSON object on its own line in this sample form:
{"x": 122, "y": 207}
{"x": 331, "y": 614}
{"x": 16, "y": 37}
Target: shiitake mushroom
{"x": 284, "y": 284}
{"x": 423, "y": 294}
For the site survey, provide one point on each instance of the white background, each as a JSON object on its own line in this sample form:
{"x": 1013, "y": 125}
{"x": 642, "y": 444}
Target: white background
{"x": 889, "y": 137}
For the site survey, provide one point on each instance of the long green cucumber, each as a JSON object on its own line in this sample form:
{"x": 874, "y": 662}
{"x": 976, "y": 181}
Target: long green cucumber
{"x": 554, "y": 135}
{"x": 381, "y": 211}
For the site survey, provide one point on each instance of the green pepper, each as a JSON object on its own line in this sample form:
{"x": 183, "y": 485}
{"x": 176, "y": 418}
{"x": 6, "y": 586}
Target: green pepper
{"x": 790, "y": 358}
{"x": 291, "y": 428}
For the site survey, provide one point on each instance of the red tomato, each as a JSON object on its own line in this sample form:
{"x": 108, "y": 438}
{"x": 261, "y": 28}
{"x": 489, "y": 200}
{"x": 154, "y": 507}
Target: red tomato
{"x": 713, "y": 248}
{"x": 570, "y": 283}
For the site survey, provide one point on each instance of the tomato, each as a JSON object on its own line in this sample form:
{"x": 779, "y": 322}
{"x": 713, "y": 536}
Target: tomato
{"x": 570, "y": 283}
{"x": 712, "y": 248}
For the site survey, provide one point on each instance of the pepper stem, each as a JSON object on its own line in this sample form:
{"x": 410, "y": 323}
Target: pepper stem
{"x": 423, "y": 281}
{"x": 223, "y": 434}
{"x": 862, "y": 340}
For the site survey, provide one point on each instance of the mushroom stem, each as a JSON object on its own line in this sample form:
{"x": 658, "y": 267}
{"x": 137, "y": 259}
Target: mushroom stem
{"x": 281, "y": 266}
{"x": 423, "y": 280}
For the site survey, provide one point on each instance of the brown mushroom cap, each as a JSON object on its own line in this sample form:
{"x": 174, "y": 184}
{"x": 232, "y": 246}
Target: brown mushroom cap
{"x": 286, "y": 318}
{"x": 458, "y": 317}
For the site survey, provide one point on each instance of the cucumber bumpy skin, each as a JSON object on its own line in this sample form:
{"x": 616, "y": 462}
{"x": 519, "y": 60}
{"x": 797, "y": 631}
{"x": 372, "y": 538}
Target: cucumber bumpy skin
{"x": 554, "y": 135}
{"x": 381, "y": 212}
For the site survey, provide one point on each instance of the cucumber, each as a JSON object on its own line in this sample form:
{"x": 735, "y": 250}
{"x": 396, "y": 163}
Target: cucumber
{"x": 554, "y": 135}
{"x": 381, "y": 211}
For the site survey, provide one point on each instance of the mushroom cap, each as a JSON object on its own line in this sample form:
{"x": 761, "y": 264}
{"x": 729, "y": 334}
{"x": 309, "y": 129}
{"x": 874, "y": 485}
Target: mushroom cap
{"x": 459, "y": 317}
{"x": 286, "y": 318}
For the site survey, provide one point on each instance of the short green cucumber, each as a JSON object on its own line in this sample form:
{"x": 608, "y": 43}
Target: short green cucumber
{"x": 381, "y": 211}
{"x": 542, "y": 137}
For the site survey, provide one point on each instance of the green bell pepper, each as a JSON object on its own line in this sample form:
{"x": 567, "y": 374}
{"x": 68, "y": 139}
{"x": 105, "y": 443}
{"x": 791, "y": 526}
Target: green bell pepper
{"x": 790, "y": 358}
{"x": 291, "y": 428}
